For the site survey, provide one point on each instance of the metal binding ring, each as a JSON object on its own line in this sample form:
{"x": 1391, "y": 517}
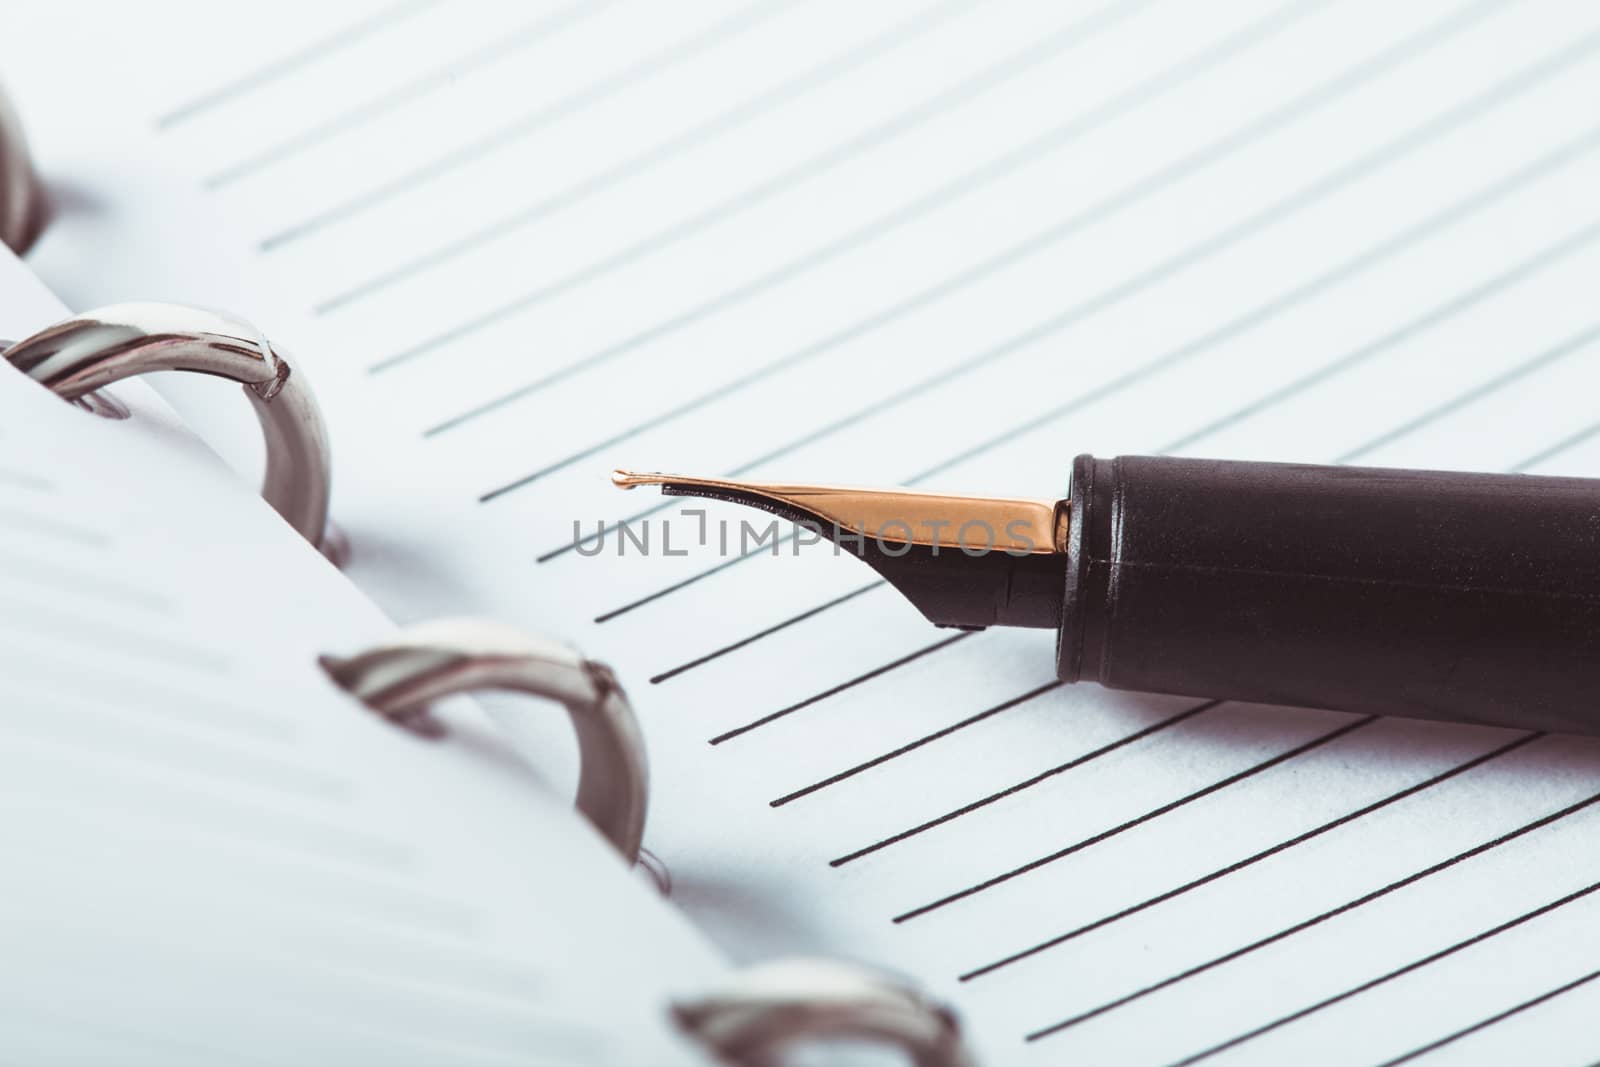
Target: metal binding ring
{"x": 22, "y": 199}
{"x": 87, "y": 352}
{"x": 771, "y": 1006}
{"x": 400, "y": 679}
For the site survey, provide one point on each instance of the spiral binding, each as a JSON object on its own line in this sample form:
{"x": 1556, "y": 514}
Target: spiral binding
{"x": 22, "y": 201}
{"x": 769, "y": 1008}
{"x": 762, "y": 1010}
{"x": 87, "y": 352}
{"x": 82, "y": 354}
{"x": 401, "y": 678}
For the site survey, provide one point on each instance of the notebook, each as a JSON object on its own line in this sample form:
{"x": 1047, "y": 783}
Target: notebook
{"x": 213, "y": 855}
{"x": 947, "y": 245}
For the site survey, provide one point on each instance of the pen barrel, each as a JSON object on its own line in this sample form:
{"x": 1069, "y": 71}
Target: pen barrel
{"x": 1437, "y": 595}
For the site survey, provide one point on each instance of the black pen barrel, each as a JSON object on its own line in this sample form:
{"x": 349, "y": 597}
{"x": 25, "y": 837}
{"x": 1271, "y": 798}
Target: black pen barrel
{"x": 1436, "y": 595}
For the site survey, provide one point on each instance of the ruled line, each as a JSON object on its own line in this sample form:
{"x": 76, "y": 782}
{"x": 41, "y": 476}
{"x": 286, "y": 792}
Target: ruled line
{"x": 1410, "y": 968}
{"x": 439, "y": 77}
{"x": 746, "y": 111}
{"x": 993, "y": 76}
{"x": 106, "y": 636}
{"x": 1539, "y": 361}
{"x": 282, "y": 68}
{"x": 1456, "y": 212}
{"x": 1548, "y": 256}
{"x": 912, "y": 746}
{"x": 1563, "y": 445}
{"x": 697, "y": 576}
{"x": 576, "y": 542}
{"x": 65, "y": 678}
{"x": 1575, "y": 343}
{"x": 1161, "y": 898}
{"x": 790, "y": 622}
{"x": 1385, "y": 154}
{"x": 1248, "y": 861}
{"x": 39, "y": 572}
{"x": 1218, "y": 242}
{"x": 768, "y": 632}
{"x": 152, "y": 747}
{"x": 1030, "y": 152}
{"x": 1502, "y": 1016}
{"x": 49, "y": 526}
{"x": 599, "y": 535}
{"x": 23, "y": 480}
{"x": 1407, "y": 238}
{"x": 241, "y": 832}
{"x": 1499, "y": 381}
{"x": 658, "y": 62}
{"x": 1316, "y": 920}
{"x": 1029, "y": 782}
{"x": 1543, "y": 359}
{"x": 800, "y": 705}
{"x": 1155, "y": 813}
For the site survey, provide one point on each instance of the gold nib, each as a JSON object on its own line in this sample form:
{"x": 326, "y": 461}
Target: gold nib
{"x": 633, "y": 479}
{"x": 893, "y": 516}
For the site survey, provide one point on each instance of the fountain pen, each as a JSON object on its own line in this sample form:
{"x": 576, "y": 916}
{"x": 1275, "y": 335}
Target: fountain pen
{"x": 1442, "y": 595}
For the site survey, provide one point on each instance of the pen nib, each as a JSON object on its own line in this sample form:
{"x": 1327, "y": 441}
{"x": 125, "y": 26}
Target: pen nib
{"x": 964, "y": 561}
{"x": 633, "y": 479}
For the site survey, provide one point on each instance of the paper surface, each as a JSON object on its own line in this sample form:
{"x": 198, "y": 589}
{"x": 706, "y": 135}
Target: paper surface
{"x": 949, "y": 245}
{"x": 213, "y": 855}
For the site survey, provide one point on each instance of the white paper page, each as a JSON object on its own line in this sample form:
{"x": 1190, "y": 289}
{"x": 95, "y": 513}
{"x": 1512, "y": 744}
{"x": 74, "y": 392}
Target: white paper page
{"x": 213, "y": 855}
{"x": 949, "y": 245}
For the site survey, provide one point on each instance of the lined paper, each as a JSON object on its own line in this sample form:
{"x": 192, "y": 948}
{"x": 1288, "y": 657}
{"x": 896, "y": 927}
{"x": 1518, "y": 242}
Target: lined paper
{"x": 212, "y": 855}
{"x": 948, "y": 245}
